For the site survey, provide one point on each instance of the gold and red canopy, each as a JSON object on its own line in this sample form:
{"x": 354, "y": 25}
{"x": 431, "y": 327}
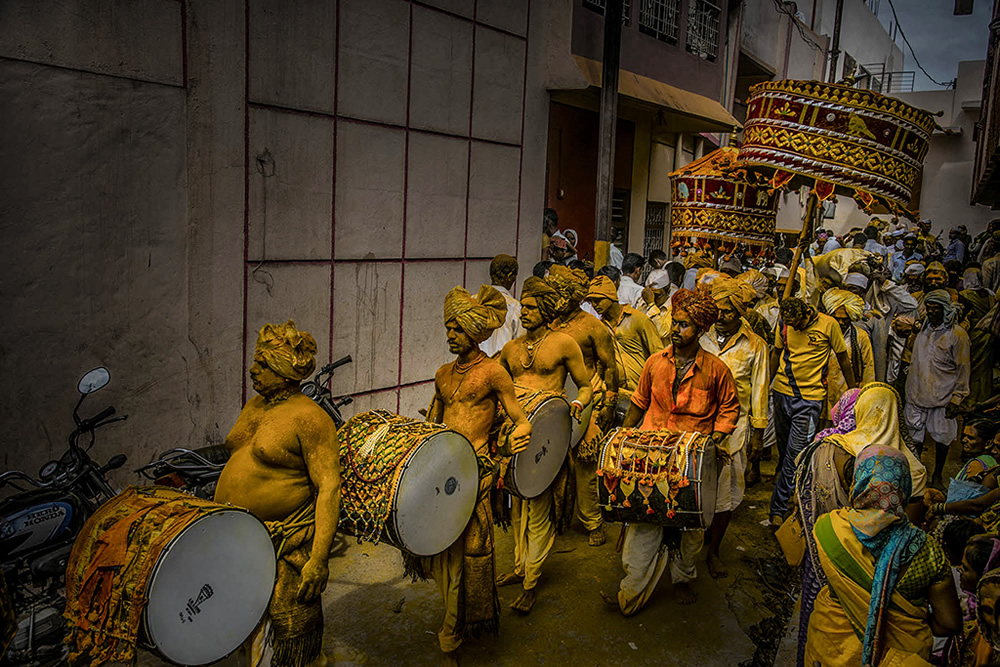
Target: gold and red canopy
{"x": 715, "y": 198}
{"x": 837, "y": 139}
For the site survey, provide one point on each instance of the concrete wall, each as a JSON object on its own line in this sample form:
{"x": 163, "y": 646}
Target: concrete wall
{"x": 187, "y": 172}
{"x": 946, "y": 183}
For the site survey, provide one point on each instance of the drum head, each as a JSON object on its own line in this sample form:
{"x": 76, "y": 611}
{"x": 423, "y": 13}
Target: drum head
{"x": 534, "y": 469}
{"x": 579, "y": 427}
{"x": 210, "y": 588}
{"x": 437, "y": 493}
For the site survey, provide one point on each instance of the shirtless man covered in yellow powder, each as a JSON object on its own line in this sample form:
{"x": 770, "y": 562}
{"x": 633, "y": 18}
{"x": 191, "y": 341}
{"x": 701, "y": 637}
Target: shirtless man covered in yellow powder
{"x": 539, "y": 360}
{"x": 466, "y": 394}
{"x": 598, "y": 348}
{"x": 284, "y": 467}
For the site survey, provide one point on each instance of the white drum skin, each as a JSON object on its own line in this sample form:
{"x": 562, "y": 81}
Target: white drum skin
{"x": 210, "y": 588}
{"x": 579, "y": 427}
{"x": 534, "y": 469}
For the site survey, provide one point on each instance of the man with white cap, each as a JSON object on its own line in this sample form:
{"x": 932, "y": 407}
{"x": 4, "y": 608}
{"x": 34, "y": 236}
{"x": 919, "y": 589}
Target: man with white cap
{"x": 656, "y": 297}
{"x": 856, "y": 282}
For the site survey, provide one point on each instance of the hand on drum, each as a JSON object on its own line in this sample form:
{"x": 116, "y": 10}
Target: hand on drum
{"x": 520, "y": 437}
{"x": 315, "y": 575}
{"x": 576, "y": 411}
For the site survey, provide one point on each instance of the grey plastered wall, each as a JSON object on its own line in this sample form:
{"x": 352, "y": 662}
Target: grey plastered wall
{"x": 179, "y": 173}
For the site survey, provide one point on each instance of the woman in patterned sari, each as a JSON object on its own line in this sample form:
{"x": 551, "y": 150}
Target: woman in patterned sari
{"x": 821, "y": 488}
{"x": 883, "y": 574}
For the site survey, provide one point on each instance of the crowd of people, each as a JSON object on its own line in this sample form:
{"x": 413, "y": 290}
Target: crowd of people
{"x": 884, "y": 342}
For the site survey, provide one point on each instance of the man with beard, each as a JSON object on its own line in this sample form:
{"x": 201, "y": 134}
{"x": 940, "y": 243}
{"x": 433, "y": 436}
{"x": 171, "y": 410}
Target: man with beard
{"x": 683, "y": 388}
{"x": 539, "y": 360}
{"x": 938, "y": 380}
{"x": 284, "y": 467}
{"x": 466, "y": 394}
{"x": 732, "y": 340}
{"x": 598, "y": 351}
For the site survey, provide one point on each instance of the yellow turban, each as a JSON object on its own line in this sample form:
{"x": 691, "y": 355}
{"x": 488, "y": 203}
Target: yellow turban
{"x": 936, "y": 267}
{"x": 572, "y": 284}
{"x": 550, "y": 303}
{"x": 836, "y": 298}
{"x": 756, "y": 280}
{"x": 287, "y": 351}
{"x": 477, "y": 315}
{"x": 739, "y": 293}
{"x": 601, "y": 287}
{"x": 697, "y": 260}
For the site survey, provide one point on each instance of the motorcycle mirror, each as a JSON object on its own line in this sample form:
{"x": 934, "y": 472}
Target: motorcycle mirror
{"x": 94, "y": 380}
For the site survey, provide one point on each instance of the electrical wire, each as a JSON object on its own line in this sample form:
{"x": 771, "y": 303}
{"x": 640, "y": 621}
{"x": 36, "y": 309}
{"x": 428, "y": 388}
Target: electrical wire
{"x": 914, "y": 53}
{"x": 780, "y": 7}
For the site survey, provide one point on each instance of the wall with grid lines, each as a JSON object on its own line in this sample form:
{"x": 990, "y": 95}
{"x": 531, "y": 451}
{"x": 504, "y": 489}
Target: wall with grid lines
{"x": 194, "y": 170}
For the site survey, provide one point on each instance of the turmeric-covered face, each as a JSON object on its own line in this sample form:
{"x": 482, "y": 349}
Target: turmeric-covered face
{"x": 264, "y": 380}
{"x": 459, "y": 342}
{"x": 531, "y": 314}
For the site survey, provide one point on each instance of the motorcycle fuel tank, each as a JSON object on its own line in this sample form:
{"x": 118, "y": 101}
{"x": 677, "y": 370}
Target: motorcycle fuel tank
{"x": 34, "y": 520}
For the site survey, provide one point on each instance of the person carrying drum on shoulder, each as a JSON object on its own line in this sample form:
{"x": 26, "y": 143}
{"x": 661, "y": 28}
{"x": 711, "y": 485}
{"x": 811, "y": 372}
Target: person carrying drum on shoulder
{"x": 284, "y": 467}
{"x": 598, "y": 350}
{"x": 539, "y": 361}
{"x": 466, "y": 394}
{"x": 683, "y": 388}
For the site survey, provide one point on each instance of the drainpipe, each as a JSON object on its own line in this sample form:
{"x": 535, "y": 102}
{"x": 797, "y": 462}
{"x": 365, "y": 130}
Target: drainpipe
{"x": 835, "y": 47}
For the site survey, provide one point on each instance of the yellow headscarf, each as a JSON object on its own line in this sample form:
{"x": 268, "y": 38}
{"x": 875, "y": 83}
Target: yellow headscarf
{"x": 739, "y": 293}
{"x": 550, "y": 303}
{"x": 477, "y": 315}
{"x": 756, "y": 280}
{"x": 572, "y": 284}
{"x": 602, "y": 287}
{"x": 836, "y": 298}
{"x": 877, "y": 415}
{"x": 287, "y": 351}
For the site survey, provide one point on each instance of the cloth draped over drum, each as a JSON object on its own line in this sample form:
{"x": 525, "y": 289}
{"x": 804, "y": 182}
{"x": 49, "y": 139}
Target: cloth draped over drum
{"x": 478, "y": 315}
{"x": 110, "y": 566}
{"x": 715, "y": 198}
{"x": 838, "y": 140}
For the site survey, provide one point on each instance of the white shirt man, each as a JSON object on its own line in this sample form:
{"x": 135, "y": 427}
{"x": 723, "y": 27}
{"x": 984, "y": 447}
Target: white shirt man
{"x": 630, "y": 293}
{"x": 511, "y": 327}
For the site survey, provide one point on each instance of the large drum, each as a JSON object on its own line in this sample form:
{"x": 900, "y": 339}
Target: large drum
{"x": 666, "y": 478}
{"x": 532, "y": 471}
{"x": 204, "y": 570}
{"x": 579, "y": 427}
{"x": 410, "y": 483}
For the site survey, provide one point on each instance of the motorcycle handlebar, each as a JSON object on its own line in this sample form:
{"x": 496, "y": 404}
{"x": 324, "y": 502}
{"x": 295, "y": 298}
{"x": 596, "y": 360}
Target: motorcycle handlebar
{"x": 332, "y": 366}
{"x": 101, "y": 416}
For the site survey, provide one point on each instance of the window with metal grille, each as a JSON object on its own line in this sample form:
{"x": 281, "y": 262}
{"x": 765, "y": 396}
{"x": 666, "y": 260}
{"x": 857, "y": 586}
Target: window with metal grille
{"x": 660, "y": 19}
{"x": 598, "y": 6}
{"x": 620, "y": 202}
{"x": 703, "y": 30}
{"x": 656, "y": 219}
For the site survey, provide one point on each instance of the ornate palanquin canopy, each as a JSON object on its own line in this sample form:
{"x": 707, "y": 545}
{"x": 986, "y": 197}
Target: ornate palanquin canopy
{"x": 837, "y": 139}
{"x": 714, "y": 198}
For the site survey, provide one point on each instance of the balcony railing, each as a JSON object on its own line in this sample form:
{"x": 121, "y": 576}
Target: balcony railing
{"x": 660, "y": 19}
{"x": 874, "y": 77}
{"x": 703, "y": 30}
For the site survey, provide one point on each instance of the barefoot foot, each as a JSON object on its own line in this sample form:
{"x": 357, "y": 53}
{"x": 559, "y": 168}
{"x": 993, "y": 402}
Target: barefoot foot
{"x": 776, "y": 521}
{"x": 508, "y": 579}
{"x": 597, "y": 537}
{"x": 716, "y": 567}
{"x": 610, "y": 600}
{"x": 524, "y": 602}
{"x": 684, "y": 594}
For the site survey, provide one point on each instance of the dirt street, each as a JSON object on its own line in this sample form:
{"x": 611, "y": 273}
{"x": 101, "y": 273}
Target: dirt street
{"x": 376, "y": 617}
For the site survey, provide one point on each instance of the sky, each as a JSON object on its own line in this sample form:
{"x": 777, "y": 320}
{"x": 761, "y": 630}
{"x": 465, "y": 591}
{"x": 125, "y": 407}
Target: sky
{"x": 939, "y": 38}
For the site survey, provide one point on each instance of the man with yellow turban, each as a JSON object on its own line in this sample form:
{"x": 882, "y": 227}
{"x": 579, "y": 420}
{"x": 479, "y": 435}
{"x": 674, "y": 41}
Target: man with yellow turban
{"x": 682, "y": 388}
{"x": 467, "y": 392}
{"x": 847, "y": 308}
{"x": 634, "y": 334}
{"x": 284, "y": 467}
{"x": 598, "y": 350}
{"x": 732, "y": 340}
{"x": 539, "y": 361}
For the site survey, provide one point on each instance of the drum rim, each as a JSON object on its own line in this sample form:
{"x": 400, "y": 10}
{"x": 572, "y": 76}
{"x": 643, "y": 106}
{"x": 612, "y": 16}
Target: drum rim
{"x": 146, "y": 637}
{"x": 512, "y": 468}
{"x": 392, "y": 524}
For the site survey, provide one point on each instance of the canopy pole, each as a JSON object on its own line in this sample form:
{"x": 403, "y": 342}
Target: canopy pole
{"x": 608, "y": 125}
{"x": 807, "y": 231}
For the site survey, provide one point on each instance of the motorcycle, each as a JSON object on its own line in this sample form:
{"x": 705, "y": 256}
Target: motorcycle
{"x": 39, "y": 524}
{"x": 197, "y": 470}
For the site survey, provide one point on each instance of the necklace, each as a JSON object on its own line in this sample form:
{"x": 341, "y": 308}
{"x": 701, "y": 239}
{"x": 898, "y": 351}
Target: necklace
{"x": 532, "y": 350}
{"x": 462, "y": 370}
{"x": 565, "y": 323}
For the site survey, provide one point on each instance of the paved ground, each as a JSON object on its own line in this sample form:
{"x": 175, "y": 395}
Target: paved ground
{"x": 375, "y": 617}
